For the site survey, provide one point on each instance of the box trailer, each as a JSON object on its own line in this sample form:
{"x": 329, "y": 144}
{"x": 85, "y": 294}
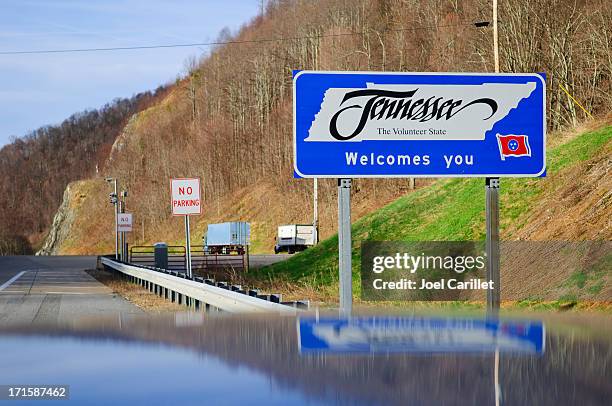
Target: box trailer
{"x": 294, "y": 237}
{"x": 227, "y": 238}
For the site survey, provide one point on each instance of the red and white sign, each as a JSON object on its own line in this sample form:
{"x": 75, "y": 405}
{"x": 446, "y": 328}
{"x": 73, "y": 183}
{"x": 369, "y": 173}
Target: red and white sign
{"x": 124, "y": 222}
{"x": 186, "y": 197}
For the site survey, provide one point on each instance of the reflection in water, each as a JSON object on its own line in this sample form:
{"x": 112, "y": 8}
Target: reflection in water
{"x": 189, "y": 359}
{"x": 411, "y": 335}
{"x": 120, "y": 372}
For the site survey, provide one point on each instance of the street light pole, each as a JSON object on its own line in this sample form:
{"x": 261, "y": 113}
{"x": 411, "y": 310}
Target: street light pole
{"x": 116, "y": 203}
{"x": 120, "y": 233}
{"x": 124, "y": 256}
{"x": 114, "y": 199}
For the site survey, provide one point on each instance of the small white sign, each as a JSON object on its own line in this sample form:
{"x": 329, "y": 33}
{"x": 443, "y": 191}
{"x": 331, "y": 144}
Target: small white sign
{"x": 124, "y": 222}
{"x": 186, "y": 196}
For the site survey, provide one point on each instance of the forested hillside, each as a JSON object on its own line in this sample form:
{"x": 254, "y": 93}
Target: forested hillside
{"x": 229, "y": 120}
{"x": 37, "y": 167}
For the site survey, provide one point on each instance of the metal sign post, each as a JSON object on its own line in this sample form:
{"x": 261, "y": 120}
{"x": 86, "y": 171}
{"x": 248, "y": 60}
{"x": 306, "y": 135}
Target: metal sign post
{"x": 492, "y": 244}
{"x": 120, "y": 203}
{"x": 188, "y": 247}
{"x": 116, "y": 217}
{"x": 344, "y": 247}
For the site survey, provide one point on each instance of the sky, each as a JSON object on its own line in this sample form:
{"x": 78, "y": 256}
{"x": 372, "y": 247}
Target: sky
{"x": 42, "y": 89}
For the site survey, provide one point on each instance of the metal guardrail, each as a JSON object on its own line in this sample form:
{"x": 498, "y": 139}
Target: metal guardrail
{"x": 201, "y": 293}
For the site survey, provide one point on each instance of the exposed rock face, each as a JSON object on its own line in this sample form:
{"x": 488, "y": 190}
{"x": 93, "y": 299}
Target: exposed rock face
{"x": 121, "y": 140}
{"x": 62, "y": 223}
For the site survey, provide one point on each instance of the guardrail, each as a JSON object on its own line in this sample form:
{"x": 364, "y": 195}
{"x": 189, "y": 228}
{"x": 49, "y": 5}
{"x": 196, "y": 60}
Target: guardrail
{"x": 200, "y": 293}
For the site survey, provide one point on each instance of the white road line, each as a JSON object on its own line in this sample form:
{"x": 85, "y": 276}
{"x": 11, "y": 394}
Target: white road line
{"x": 13, "y": 279}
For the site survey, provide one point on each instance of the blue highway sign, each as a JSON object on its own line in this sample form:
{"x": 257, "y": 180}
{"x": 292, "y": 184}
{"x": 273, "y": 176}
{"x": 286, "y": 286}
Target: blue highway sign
{"x": 420, "y": 335}
{"x": 370, "y": 124}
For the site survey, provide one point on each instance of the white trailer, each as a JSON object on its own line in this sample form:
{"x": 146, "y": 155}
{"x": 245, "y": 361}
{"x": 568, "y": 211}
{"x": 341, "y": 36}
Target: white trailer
{"x": 294, "y": 238}
{"x": 225, "y": 238}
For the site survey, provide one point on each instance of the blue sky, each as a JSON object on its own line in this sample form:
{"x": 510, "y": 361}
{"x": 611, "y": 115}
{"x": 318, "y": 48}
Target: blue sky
{"x": 41, "y": 89}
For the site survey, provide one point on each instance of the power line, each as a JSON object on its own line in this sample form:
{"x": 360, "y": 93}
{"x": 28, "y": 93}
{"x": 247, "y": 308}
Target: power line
{"x": 215, "y": 43}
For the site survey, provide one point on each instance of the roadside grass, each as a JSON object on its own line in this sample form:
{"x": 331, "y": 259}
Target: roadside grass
{"x": 448, "y": 210}
{"x": 134, "y": 293}
{"x": 590, "y": 280}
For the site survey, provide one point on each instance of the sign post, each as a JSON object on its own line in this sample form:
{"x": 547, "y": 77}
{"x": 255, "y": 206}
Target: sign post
{"x": 344, "y": 247}
{"x": 188, "y": 247}
{"x": 121, "y": 240}
{"x": 492, "y": 244}
{"x": 185, "y": 202}
{"x": 382, "y": 125}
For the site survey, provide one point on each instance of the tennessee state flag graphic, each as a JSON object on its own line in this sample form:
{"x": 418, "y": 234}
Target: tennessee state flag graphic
{"x": 513, "y": 145}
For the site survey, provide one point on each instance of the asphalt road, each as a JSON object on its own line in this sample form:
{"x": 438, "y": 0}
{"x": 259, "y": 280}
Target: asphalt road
{"x": 54, "y": 289}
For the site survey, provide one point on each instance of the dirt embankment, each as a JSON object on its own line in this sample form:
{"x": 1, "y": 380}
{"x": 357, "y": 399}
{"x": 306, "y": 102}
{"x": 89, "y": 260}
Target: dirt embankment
{"x": 576, "y": 205}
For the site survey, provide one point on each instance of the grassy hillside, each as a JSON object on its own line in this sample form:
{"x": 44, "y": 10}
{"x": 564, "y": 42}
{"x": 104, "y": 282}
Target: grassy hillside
{"x": 454, "y": 210}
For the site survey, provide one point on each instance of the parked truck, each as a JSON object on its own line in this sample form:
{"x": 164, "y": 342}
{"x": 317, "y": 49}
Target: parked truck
{"x": 294, "y": 238}
{"x": 227, "y": 238}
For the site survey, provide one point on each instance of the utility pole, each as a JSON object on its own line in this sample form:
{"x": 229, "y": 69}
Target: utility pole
{"x": 492, "y": 211}
{"x": 315, "y": 211}
{"x": 121, "y": 210}
{"x": 124, "y": 255}
{"x": 495, "y": 38}
{"x": 114, "y": 199}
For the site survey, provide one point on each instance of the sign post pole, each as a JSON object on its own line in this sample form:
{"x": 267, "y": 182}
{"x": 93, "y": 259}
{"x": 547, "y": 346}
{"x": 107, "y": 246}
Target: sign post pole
{"x": 116, "y": 217}
{"x": 492, "y": 244}
{"x": 344, "y": 247}
{"x": 120, "y": 232}
{"x": 188, "y": 246}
